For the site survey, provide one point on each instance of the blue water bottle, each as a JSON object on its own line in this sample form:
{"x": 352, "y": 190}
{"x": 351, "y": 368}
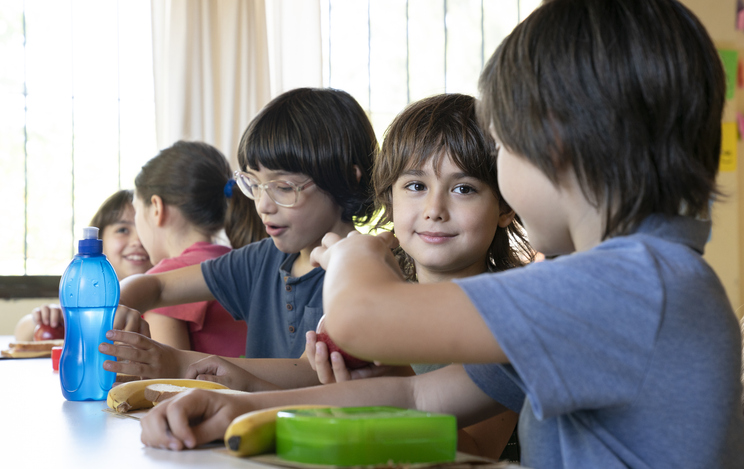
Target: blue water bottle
{"x": 89, "y": 295}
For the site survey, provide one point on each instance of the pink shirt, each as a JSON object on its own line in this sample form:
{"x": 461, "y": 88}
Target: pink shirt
{"x": 211, "y": 329}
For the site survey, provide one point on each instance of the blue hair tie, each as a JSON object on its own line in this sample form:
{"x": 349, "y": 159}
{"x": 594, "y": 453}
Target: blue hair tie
{"x": 228, "y": 190}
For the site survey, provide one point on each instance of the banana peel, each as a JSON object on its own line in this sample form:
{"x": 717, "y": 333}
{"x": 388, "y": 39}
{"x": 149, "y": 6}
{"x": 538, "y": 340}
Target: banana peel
{"x": 254, "y": 433}
{"x": 131, "y": 395}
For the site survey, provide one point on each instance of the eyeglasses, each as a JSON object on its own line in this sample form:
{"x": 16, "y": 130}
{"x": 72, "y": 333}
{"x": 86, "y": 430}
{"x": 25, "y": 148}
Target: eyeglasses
{"x": 283, "y": 193}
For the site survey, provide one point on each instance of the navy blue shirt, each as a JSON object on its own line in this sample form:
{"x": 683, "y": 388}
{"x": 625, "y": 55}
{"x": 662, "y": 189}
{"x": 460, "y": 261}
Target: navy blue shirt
{"x": 254, "y": 285}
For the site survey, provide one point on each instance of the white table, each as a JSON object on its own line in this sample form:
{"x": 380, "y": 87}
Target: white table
{"x": 40, "y": 428}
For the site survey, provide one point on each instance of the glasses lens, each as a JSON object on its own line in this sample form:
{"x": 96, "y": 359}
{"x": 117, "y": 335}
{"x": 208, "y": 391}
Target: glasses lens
{"x": 245, "y": 185}
{"x": 282, "y": 193}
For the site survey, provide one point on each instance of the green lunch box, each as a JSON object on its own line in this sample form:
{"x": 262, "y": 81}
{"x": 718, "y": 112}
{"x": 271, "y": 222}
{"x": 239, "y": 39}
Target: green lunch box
{"x": 353, "y": 436}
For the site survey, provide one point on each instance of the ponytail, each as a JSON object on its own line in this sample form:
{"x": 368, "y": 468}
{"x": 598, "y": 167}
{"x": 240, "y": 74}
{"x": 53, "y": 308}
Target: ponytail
{"x": 195, "y": 177}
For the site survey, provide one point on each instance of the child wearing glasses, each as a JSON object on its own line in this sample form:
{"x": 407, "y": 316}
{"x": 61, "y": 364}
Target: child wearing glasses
{"x": 306, "y": 161}
{"x": 625, "y": 344}
{"x": 182, "y": 198}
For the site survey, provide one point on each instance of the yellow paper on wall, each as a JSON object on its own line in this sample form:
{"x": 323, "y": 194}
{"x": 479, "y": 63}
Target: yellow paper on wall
{"x": 728, "y": 147}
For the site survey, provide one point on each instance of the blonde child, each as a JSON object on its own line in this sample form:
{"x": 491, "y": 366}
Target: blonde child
{"x": 182, "y": 198}
{"x": 608, "y": 114}
{"x": 121, "y": 245}
{"x": 306, "y": 161}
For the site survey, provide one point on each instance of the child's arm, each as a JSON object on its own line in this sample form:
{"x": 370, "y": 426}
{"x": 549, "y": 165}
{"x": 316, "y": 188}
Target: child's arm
{"x": 143, "y": 292}
{"x": 255, "y": 374}
{"x": 199, "y": 416}
{"x": 410, "y": 323}
{"x": 168, "y": 330}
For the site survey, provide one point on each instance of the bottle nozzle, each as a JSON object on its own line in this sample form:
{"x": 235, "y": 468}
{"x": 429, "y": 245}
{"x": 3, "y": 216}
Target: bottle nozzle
{"x": 90, "y": 232}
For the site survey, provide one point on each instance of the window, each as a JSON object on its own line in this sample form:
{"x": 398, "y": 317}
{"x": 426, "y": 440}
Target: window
{"x": 388, "y": 53}
{"x": 77, "y": 116}
{"x": 77, "y": 120}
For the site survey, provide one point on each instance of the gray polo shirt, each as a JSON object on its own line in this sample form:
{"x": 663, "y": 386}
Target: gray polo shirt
{"x": 254, "y": 285}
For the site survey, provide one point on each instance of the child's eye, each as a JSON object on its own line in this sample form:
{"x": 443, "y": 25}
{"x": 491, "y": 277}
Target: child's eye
{"x": 464, "y": 189}
{"x": 415, "y": 186}
{"x": 122, "y": 230}
{"x": 283, "y": 187}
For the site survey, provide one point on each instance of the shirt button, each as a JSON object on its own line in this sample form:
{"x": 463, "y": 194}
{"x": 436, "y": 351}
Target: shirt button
{"x": 289, "y": 307}
{"x": 288, "y": 287}
{"x": 291, "y": 329}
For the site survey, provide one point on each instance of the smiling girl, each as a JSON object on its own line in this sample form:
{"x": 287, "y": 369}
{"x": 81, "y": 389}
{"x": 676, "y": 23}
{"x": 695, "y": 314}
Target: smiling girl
{"x": 121, "y": 245}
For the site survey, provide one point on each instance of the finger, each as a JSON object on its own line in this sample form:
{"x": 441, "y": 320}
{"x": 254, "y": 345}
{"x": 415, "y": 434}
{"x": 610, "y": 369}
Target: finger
{"x": 340, "y": 372}
{"x": 126, "y": 368}
{"x": 36, "y": 315}
{"x": 316, "y": 256}
{"x": 189, "y": 406}
{"x": 125, "y": 352}
{"x": 330, "y": 239}
{"x": 323, "y": 364}
{"x": 144, "y": 328}
{"x": 45, "y": 315}
{"x": 205, "y": 366}
{"x": 130, "y": 338}
{"x": 389, "y": 239}
{"x": 127, "y": 319}
{"x": 55, "y": 315}
{"x": 310, "y": 341}
{"x": 213, "y": 427}
{"x": 155, "y": 430}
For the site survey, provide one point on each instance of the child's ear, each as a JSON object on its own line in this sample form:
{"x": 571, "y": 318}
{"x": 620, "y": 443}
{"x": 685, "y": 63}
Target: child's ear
{"x": 358, "y": 173}
{"x": 506, "y": 218}
{"x": 157, "y": 208}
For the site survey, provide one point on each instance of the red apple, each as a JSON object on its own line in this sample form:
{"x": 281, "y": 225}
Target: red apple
{"x": 46, "y": 332}
{"x": 351, "y": 362}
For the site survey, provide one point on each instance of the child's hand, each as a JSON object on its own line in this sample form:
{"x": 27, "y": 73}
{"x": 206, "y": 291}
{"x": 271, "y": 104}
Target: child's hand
{"x": 222, "y": 371}
{"x": 333, "y": 369}
{"x": 51, "y": 315}
{"x": 141, "y": 356}
{"x": 192, "y": 418}
{"x": 320, "y": 256}
{"x": 128, "y": 319}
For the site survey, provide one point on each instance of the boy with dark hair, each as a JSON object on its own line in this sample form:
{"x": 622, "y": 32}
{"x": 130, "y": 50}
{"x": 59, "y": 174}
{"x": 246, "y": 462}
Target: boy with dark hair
{"x": 608, "y": 115}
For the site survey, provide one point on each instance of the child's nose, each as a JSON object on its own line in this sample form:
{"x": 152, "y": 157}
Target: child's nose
{"x": 134, "y": 239}
{"x": 264, "y": 204}
{"x": 436, "y": 206}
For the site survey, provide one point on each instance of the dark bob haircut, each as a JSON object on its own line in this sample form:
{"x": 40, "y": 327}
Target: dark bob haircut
{"x": 322, "y": 133}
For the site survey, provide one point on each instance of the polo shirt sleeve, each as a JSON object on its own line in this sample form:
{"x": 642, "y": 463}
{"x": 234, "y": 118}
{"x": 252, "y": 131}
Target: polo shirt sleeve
{"x": 230, "y": 278}
{"x": 579, "y": 330}
{"x": 498, "y": 384}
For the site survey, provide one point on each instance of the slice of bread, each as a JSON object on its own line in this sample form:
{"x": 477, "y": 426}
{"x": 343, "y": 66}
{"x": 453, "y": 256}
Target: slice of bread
{"x": 159, "y": 392}
{"x": 35, "y": 346}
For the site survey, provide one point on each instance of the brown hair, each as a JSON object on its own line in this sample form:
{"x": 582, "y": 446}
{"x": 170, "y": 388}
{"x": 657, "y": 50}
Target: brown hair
{"x": 432, "y": 129}
{"x": 111, "y": 210}
{"x": 628, "y": 94}
{"x": 193, "y": 176}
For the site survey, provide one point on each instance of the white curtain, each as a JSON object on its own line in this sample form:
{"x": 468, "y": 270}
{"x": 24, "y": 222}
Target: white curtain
{"x": 295, "y": 52}
{"x": 212, "y": 66}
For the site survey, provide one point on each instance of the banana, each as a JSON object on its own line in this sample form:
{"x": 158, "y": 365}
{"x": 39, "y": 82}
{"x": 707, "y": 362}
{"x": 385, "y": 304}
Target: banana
{"x": 255, "y": 432}
{"x": 131, "y": 395}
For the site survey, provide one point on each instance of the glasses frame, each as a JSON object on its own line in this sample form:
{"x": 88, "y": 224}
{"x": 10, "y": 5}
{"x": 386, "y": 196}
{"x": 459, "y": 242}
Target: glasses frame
{"x": 242, "y": 179}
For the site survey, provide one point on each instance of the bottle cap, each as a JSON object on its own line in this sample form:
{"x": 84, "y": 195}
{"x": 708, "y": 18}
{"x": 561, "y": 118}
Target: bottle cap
{"x": 90, "y": 244}
{"x": 56, "y": 353}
